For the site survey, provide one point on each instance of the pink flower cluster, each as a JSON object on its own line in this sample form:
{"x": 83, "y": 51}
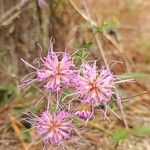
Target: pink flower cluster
{"x": 91, "y": 85}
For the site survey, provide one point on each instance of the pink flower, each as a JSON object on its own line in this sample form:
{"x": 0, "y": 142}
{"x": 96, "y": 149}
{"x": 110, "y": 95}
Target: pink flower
{"x": 54, "y": 128}
{"x": 95, "y": 87}
{"x": 84, "y": 114}
{"x": 55, "y": 73}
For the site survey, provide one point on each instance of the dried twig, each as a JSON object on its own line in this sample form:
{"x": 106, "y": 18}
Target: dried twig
{"x": 15, "y": 125}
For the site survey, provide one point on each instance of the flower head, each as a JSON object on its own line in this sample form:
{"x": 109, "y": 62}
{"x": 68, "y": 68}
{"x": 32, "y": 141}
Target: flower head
{"x": 54, "y": 128}
{"x": 54, "y": 72}
{"x": 95, "y": 87}
{"x": 84, "y": 114}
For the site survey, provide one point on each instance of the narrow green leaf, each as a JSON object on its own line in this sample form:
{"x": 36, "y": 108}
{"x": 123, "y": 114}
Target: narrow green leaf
{"x": 84, "y": 45}
{"x": 87, "y": 44}
{"x": 106, "y": 25}
{"x": 80, "y": 56}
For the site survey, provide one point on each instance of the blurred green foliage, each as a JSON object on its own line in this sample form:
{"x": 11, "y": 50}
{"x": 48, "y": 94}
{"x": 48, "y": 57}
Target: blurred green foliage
{"x": 119, "y": 134}
{"x": 142, "y": 130}
{"x": 112, "y": 104}
{"x": 7, "y": 92}
{"x": 133, "y": 75}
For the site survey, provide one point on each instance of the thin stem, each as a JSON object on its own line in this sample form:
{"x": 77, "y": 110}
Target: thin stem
{"x": 94, "y": 31}
{"x": 93, "y": 23}
{"x": 48, "y": 102}
{"x": 124, "y": 118}
{"x": 127, "y": 98}
{"x": 121, "y": 109}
